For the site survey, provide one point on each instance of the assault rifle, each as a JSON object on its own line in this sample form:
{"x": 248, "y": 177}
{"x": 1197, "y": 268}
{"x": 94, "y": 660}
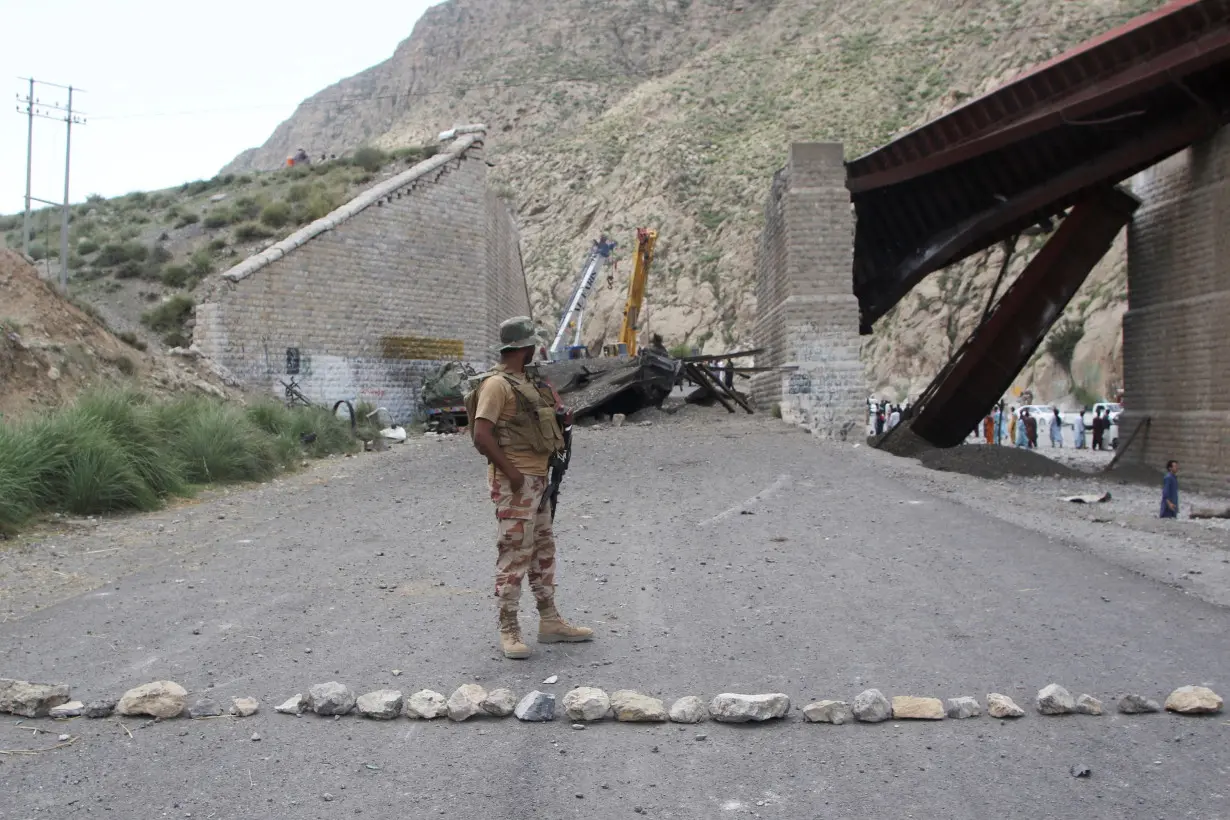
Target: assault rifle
{"x": 559, "y": 465}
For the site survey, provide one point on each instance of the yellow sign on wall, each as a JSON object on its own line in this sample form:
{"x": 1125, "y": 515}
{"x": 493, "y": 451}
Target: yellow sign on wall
{"x": 422, "y": 348}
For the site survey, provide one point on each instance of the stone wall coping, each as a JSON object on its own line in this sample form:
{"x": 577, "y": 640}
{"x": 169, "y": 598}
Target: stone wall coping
{"x": 456, "y": 150}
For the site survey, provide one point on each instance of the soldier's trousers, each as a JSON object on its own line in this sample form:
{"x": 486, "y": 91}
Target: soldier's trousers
{"x": 525, "y": 542}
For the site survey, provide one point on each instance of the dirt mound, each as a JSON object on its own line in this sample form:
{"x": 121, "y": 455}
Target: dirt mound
{"x": 979, "y": 460}
{"x": 51, "y": 350}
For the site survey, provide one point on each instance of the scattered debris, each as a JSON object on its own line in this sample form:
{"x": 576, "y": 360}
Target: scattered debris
{"x": 1053, "y": 699}
{"x": 1080, "y": 771}
{"x": 331, "y": 698}
{"x": 734, "y": 708}
{"x": 1088, "y": 705}
{"x": 255, "y": 737}
{"x": 536, "y": 707}
{"x": 1194, "y": 700}
{"x": 872, "y": 707}
{"x": 633, "y": 707}
{"x": 466, "y": 702}
{"x": 1132, "y": 704}
{"x": 908, "y": 707}
{"x": 836, "y": 712}
{"x": 383, "y": 704}
{"x": 1088, "y": 499}
{"x": 20, "y": 697}
{"x": 160, "y": 699}
{"x": 962, "y": 708}
{"x": 1002, "y": 706}
{"x": 586, "y": 703}
{"x": 688, "y": 709}
{"x": 552, "y": 679}
{"x": 296, "y": 705}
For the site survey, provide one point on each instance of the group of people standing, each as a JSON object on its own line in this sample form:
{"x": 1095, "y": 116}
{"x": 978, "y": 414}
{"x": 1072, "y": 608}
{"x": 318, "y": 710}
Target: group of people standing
{"x": 1004, "y": 426}
{"x": 885, "y": 416}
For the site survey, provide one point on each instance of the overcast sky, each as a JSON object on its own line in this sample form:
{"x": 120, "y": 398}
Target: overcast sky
{"x": 173, "y": 90}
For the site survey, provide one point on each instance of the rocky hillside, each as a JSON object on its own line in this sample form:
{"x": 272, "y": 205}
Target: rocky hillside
{"x": 609, "y": 114}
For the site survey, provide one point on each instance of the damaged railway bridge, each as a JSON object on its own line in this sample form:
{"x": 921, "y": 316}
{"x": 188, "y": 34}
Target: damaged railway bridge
{"x": 1053, "y": 144}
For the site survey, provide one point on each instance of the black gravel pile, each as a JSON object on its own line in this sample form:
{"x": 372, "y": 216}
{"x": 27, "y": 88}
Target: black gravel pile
{"x": 979, "y": 460}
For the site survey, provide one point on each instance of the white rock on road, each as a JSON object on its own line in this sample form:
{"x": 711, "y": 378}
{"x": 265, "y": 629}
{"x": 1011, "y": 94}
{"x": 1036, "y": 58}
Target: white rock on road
{"x": 1088, "y": 705}
{"x": 1194, "y": 700}
{"x": 160, "y": 699}
{"x": 909, "y": 707}
{"x": 836, "y": 712}
{"x": 331, "y": 698}
{"x": 730, "y": 707}
{"x": 245, "y": 707}
{"x": 426, "y": 705}
{"x": 1053, "y": 699}
{"x": 688, "y": 709}
{"x": 500, "y": 702}
{"x": 1002, "y": 706}
{"x": 633, "y": 707}
{"x": 871, "y": 706}
{"x": 382, "y": 704}
{"x": 586, "y": 703}
{"x": 296, "y": 705}
{"x": 74, "y": 708}
{"x": 20, "y": 697}
{"x": 962, "y": 707}
{"x": 466, "y": 702}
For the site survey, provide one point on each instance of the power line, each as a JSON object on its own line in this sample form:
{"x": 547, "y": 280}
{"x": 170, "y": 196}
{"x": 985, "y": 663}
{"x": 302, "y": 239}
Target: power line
{"x": 35, "y": 108}
{"x": 718, "y": 61}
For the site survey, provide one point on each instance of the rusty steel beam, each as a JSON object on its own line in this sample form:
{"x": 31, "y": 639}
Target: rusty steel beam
{"x": 1147, "y": 147}
{"x": 966, "y": 391}
{"x": 1063, "y": 113}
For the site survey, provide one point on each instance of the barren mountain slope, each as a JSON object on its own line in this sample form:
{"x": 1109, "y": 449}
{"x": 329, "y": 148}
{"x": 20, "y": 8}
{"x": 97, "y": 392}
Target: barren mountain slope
{"x": 685, "y": 112}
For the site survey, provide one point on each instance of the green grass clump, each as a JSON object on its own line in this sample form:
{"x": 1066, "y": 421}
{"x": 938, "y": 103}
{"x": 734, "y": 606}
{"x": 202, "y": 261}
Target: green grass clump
{"x": 176, "y": 276}
{"x": 275, "y": 214}
{"x": 117, "y": 450}
{"x": 251, "y": 231}
{"x": 369, "y": 158}
{"x": 170, "y": 318}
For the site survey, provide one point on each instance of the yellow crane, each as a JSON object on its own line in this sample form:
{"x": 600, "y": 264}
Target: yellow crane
{"x": 646, "y": 238}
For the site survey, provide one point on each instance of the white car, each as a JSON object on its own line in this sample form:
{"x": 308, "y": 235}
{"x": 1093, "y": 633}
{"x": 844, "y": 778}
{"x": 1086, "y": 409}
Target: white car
{"x": 1111, "y": 410}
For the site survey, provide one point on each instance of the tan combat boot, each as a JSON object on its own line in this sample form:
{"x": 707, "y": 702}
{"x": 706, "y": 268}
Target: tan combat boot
{"x": 510, "y": 636}
{"x": 552, "y": 628}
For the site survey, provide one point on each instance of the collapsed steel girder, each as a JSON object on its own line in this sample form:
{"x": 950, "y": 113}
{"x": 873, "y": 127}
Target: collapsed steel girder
{"x": 1031, "y": 149}
{"x": 976, "y": 379}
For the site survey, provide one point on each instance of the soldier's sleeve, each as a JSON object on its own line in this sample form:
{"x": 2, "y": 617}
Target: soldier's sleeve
{"x": 493, "y": 394}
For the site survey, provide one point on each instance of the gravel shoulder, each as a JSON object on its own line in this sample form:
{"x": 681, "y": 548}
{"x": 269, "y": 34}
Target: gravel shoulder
{"x": 711, "y": 554}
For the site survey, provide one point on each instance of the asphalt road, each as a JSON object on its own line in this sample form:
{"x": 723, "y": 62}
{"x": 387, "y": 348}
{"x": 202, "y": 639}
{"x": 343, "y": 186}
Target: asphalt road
{"x": 848, "y": 574}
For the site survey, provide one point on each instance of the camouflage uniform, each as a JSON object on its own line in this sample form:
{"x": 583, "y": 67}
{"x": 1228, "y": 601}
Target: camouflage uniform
{"x": 524, "y": 541}
{"x": 528, "y": 432}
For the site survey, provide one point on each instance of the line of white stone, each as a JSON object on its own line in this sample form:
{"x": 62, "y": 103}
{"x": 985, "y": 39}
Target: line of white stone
{"x": 167, "y": 699}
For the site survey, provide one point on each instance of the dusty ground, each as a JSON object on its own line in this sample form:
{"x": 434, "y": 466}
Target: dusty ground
{"x": 710, "y": 553}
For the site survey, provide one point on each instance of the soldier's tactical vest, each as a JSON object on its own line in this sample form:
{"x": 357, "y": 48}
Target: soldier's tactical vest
{"x": 534, "y": 426}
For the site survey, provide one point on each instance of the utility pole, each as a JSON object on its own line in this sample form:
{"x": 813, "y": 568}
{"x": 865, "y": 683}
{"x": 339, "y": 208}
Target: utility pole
{"x": 34, "y": 107}
{"x": 25, "y": 236}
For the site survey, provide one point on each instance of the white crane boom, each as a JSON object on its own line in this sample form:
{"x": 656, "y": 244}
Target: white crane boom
{"x": 575, "y": 311}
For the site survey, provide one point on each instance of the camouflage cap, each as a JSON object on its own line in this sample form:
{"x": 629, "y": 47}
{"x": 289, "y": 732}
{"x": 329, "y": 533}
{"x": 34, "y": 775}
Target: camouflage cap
{"x": 518, "y": 332}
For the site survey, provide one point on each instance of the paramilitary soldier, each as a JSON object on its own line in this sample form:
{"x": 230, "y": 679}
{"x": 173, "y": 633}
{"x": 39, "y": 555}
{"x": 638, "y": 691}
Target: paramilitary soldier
{"x": 516, "y": 427}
